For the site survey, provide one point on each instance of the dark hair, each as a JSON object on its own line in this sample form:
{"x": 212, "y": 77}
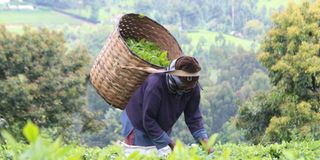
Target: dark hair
{"x": 188, "y": 64}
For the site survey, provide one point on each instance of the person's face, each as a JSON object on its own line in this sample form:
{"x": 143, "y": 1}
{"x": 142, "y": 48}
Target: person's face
{"x": 188, "y": 83}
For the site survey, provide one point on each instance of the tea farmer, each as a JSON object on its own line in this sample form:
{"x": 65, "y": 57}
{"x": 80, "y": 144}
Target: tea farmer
{"x": 157, "y": 104}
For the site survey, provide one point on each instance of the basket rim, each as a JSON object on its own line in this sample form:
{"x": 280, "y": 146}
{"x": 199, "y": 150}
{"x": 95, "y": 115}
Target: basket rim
{"x": 162, "y": 27}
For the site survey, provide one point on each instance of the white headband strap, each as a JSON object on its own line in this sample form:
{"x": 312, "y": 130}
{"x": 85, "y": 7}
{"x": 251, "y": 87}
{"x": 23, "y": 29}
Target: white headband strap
{"x": 182, "y": 73}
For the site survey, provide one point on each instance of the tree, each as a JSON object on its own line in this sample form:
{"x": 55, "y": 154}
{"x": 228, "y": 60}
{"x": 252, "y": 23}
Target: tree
{"x": 257, "y": 82}
{"x": 253, "y": 28}
{"x": 254, "y": 116}
{"x": 39, "y": 79}
{"x": 239, "y": 69}
{"x": 222, "y": 105}
{"x": 290, "y": 52}
{"x": 93, "y": 39}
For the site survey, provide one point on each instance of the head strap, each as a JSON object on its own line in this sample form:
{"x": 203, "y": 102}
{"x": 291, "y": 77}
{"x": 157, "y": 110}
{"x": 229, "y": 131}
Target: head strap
{"x": 181, "y": 73}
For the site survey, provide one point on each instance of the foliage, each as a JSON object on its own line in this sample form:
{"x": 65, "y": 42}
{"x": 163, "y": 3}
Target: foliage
{"x": 220, "y": 64}
{"x": 110, "y": 133}
{"x": 253, "y": 28}
{"x": 92, "y": 38}
{"x": 230, "y": 77}
{"x": 229, "y": 133}
{"x": 39, "y": 147}
{"x": 239, "y": 69}
{"x": 229, "y": 74}
{"x": 149, "y": 51}
{"x": 294, "y": 39}
{"x": 40, "y": 79}
{"x": 222, "y": 106}
{"x": 290, "y": 52}
{"x": 229, "y": 16}
{"x": 192, "y": 14}
{"x": 255, "y": 114}
{"x": 257, "y": 82}
{"x": 216, "y": 69}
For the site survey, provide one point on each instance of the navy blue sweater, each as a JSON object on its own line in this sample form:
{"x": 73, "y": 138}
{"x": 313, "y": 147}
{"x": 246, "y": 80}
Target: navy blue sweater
{"x": 154, "y": 110}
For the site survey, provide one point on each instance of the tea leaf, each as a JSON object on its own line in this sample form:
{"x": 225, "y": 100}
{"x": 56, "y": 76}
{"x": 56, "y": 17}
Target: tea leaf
{"x": 31, "y": 132}
{"x": 149, "y": 51}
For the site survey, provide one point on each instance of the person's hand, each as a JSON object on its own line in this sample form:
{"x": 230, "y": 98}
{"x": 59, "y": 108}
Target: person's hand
{"x": 164, "y": 152}
{"x": 171, "y": 145}
{"x": 210, "y": 150}
{"x": 204, "y": 144}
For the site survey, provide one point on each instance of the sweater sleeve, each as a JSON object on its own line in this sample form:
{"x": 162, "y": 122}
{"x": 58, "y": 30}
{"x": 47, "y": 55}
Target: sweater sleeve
{"x": 193, "y": 117}
{"x": 151, "y": 104}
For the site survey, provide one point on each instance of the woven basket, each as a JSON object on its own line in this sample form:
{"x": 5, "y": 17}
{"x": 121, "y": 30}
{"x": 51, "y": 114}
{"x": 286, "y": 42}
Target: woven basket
{"x": 115, "y": 83}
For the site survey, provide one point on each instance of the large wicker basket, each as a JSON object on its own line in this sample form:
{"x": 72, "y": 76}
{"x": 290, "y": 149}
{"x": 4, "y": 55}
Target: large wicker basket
{"x": 115, "y": 83}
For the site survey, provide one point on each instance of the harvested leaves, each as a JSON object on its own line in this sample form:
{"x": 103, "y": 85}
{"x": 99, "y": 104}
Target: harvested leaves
{"x": 149, "y": 51}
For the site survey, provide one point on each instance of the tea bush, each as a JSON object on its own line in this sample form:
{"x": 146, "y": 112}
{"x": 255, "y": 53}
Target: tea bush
{"x": 39, "y": 148}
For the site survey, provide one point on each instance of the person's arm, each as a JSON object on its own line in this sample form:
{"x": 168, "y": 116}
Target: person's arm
{"x": 193, "y": 117}
{"x": 151, "y": 104}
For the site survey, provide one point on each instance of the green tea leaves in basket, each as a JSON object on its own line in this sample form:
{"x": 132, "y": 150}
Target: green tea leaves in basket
{"x": 149, "y": 51}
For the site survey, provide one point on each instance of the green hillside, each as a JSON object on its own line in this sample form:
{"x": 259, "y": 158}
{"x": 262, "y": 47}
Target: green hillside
{"x": 15, "y": 20}
{"x": 36, "y": 17}
{"x": 210, "y": 38}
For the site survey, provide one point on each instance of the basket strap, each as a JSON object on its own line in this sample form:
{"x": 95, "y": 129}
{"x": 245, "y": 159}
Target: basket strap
{"x": 146, "y": 69}
{"x": 153, "y": 70}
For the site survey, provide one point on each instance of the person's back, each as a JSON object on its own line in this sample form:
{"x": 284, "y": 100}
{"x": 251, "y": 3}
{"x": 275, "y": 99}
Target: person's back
{"x": 154, "y": 98}
{"x": 158, "y": 103}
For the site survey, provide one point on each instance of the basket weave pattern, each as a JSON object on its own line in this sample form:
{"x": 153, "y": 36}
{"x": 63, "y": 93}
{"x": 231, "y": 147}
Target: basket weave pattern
{"x": 116, "y": 84}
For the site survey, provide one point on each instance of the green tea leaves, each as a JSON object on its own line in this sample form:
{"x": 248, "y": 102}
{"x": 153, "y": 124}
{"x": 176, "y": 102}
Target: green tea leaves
{"x": 31, "y": 132}
{"x": 149, "y": 51}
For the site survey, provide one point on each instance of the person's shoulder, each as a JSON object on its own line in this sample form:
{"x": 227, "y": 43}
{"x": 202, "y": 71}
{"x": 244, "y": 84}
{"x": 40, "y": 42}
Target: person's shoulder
{"x": 196, "y": 89}
{"x": 155, "y": 80}
{"x": 155, "y": 77}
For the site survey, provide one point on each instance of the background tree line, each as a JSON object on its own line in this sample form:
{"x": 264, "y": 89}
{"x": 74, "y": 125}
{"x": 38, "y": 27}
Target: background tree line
{"x": 245, "y": 18}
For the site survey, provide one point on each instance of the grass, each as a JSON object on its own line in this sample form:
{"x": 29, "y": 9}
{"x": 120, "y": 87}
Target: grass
{"x": 210, "y": 37}
{"x": 36, "y": 17}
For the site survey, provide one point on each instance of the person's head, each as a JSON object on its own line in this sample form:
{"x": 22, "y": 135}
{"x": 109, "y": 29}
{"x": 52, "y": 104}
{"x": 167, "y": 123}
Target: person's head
{"x": 187, "y": 64}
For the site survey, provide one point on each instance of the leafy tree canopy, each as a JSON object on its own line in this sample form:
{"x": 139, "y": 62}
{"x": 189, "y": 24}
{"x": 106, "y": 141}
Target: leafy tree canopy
{"x": 39, "y": 79}
{"x": 291, "y": 53}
